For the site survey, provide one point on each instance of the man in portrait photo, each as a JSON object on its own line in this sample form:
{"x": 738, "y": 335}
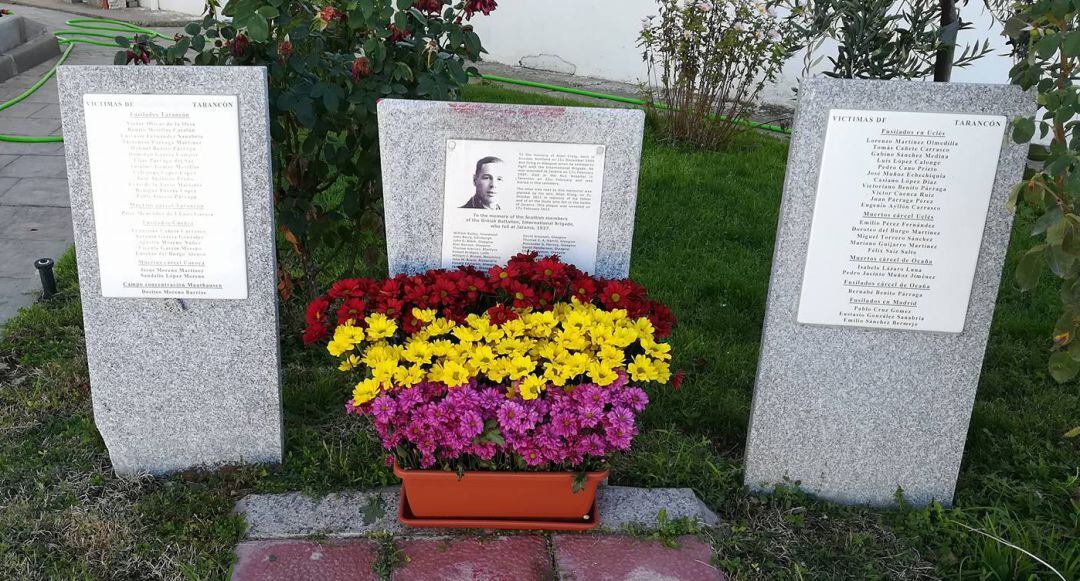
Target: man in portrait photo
{"x": 487, "y": 181}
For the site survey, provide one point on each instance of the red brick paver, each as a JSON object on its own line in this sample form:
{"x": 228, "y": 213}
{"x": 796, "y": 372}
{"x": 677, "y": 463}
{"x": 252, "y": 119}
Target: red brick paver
{"x": 305, "y": 560}
{"x": 621, "y": 558}
{"x": 510, "y": 558}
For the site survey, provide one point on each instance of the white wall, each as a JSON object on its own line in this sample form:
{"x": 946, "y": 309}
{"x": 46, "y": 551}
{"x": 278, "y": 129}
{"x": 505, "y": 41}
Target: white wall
{"x": 598, "y": 38}
{"x": 600, "y": 41}
{"x": 193, "y": 7}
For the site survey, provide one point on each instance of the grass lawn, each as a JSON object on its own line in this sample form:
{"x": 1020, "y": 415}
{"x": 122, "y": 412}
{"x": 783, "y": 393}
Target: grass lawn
{"x": 703, "y": 244}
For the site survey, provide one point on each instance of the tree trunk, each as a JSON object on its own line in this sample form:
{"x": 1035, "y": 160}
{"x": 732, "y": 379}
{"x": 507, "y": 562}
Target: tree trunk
{"x": 949, "y": 25}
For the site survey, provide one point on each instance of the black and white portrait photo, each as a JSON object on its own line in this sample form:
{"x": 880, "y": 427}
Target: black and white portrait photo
{"x": 488, "y": 179}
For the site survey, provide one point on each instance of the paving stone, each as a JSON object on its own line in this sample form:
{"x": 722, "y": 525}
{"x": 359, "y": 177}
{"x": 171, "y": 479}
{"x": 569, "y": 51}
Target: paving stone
{"x": 16, "y": 293}
{"x": 35, "y": 166}
{"x": 305, "y": 560}
{"x": 47, "y": 93}
{"x": 32, "y": 127}
{"x": 622, "y": 506}
{"x": 49, "y": 111}
{"x": 35, "y": 192}
{"x": 6, "y": 160}
{"x": 509, "y": 558}
{"x": 623, "y": 558}
{"x": 35, "y": 223}
{"x": 8, "y": 147}
{"x": 17, "y": 256}
{"x": 21, "y": 111}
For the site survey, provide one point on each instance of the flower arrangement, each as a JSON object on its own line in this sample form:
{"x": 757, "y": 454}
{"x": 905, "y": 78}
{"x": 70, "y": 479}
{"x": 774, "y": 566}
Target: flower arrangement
{"x": 525, "y": 366}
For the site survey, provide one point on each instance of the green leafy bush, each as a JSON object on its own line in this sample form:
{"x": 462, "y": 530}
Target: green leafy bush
{"x": 707, "y": 62}
{"x": 328, "y": 66}
{"x": 877, "y": 39}
{"x": 1049, "y": 30}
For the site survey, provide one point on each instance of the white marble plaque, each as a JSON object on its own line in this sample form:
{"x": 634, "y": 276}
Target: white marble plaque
{"x": 898, "y": 219}
{"x": 166, "y": 190}
{"x": 501, "y": 198}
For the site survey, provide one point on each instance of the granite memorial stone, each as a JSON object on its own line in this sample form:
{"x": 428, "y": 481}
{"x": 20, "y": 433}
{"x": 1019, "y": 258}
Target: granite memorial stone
{"x": 169, "y": 171}
{"x": 476, "y": 183}
{"x": 892, "y": 234}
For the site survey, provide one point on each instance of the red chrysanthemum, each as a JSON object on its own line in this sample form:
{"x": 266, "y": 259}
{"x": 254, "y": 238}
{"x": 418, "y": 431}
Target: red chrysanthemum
{"x": 662, "y": 318}
{"x": 499, "y": 314}
{"x": 353, "y": 308}
{"x": 316, "y": 311}
{"x": 616, "y": 294}
{"x": 314, "y": 333}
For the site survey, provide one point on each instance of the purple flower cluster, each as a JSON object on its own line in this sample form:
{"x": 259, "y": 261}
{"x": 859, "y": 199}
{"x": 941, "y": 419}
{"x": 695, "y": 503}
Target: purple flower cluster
{"x": 564, "y": 427}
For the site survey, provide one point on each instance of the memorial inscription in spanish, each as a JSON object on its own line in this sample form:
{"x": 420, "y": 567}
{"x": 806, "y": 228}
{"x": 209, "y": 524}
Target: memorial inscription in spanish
{"x": 165, "y": 180}
{"x": 898, "y": 220}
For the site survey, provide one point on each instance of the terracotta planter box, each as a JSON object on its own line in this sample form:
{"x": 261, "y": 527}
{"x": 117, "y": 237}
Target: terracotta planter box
{"x": 498, "y": 495}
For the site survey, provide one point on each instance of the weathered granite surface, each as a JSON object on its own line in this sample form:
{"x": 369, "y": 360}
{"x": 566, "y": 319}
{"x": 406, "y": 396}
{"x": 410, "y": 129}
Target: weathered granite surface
{"x": 366, "y": 512}
{"x": 192, "y": 383}
{"x": 856, "y": 414}
{"x": 412, "y": 141}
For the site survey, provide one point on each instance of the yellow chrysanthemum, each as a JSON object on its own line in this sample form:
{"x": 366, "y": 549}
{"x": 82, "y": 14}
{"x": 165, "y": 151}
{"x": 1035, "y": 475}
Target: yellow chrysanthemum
{"x": 644, "y": 328}
{"x": 611, "y": 355}
{"x": 641, "y": 369}
{"x": 601, "y": 374}
{"x": 510, "y": 347}
{"x": 482, "y": 357}
{"x": 623, "y": 337}
{"x": 439, "y": 326}
{"x": 349, "y": 333}
{"x": 383, "y": 372}
{"x": 467, "y": 334}
{"x": 379, "y": 326}
{"x": 520, "y": 366}
{"x": 349, "y": 363}
{"x": 379, "y": 353}
{"x": 417, "y": 351}
{"x": 514, "y": 328}
{"x": 572, "y": 339}
{"x": 531, "y": 386}
{"x": 440, "y": 347}
{"x": 365, "y": 391}
{"x": 540, "y": 324}
{"x": 656, "y": 350}
{"x": 454, "y": 374}
{"x": 553, "y": 374}
{"x": 336, "y": 348}
{"x": 423, "y": 315}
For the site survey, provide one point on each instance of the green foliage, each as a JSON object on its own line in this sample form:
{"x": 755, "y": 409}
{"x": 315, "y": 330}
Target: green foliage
{"x": 877, "y": 39}
{"x": 327, "y": 69}
{"x": 1048, "y": 27}
{"x": 707, "y": 62}
{"x": 64, "y": 515}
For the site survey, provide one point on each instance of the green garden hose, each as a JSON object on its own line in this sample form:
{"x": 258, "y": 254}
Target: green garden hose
{"x": 83, "y": 31}
{"x": 617, "y": 98}
{"x": 88, "y": 30}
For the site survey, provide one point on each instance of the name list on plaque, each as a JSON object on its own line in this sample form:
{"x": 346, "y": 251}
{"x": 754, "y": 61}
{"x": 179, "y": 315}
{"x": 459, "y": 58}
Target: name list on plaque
{"x": 166, "y": 188}
{"x": 898, "y": 219}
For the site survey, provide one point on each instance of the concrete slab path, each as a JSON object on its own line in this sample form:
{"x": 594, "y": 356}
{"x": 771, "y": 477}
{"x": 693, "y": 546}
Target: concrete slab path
{"x": 35, "y": 215}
